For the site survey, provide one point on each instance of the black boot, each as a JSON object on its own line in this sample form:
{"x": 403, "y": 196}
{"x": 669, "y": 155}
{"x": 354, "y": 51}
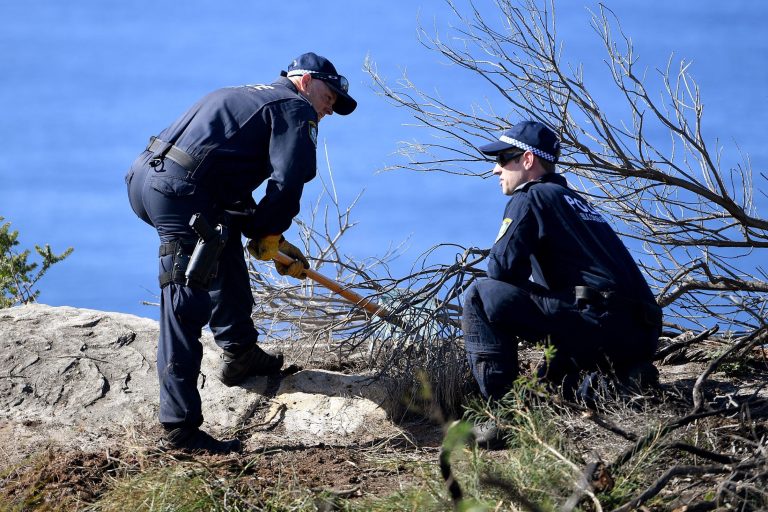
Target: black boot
{"x": 254, "y": 361}
{"x": 488, "y": 435}
{"x": 641, "y": 377}
{"x": 594, "y": 388}
{"x": 194, "y": 440}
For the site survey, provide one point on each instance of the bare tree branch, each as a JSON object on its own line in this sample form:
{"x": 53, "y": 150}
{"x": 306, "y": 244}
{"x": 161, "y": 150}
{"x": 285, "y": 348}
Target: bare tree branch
{"x": 696, "y": 220}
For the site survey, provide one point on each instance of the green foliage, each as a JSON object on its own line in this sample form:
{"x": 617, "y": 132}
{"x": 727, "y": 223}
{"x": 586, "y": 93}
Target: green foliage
{"x": 196, "y": 487}
{"x": 539, "y": 464}
{"x": 416, "y": 498}
{"x": 18, "y": 276}
{"x": 179, "y": 488}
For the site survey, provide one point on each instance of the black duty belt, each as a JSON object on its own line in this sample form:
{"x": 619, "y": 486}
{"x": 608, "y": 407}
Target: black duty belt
{"x": 162, "y": 149}
{"x": 650, "y": 312}
{"x": 173, "y": 247}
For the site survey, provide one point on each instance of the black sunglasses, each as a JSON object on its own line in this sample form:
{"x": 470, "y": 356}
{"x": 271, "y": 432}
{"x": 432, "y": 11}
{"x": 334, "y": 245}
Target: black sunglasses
{"x": 504, "y": 158}
{"x": 338, "y": 80}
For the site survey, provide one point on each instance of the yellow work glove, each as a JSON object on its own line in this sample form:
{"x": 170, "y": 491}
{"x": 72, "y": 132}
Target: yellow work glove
{"x": 264, "y": 248}
{"x": 296, "y": 269}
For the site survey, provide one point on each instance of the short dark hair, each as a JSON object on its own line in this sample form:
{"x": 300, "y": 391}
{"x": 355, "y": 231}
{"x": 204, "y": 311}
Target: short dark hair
{"x": 547, "y": 165}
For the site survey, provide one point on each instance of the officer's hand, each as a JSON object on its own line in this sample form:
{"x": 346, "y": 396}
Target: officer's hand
{"x": 296, "y": 269}
{"x": 264, "y": 248}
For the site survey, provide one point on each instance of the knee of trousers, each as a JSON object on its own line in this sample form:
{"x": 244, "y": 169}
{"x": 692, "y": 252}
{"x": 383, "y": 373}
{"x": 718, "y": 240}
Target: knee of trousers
{"x": 483, "y": 337}
{"x": 497, "y": 301}
{"x": 180, "y": 373}
{"x": 184, "y": 312}
{"x": 473, "y": 309}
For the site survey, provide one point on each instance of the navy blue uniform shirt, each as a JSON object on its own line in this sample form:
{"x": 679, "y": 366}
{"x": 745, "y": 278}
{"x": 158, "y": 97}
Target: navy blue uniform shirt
{"x": 552, "y": 233}
{"x": 244, "y": 135}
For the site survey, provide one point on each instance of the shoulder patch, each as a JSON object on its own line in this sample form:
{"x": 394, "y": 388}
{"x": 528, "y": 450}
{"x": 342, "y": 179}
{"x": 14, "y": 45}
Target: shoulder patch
{"x": 503, "y": 229}
{"x": 313, "y": 132}
{"x": 260, "y": 87}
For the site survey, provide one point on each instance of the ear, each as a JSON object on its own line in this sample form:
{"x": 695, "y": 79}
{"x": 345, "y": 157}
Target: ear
{"x": 528, "y": 158}
{"x": 304, "y": 81}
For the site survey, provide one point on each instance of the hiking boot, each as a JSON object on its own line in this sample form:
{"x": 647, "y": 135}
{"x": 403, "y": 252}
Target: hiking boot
{"x": 192, "y": 439}
{"x": 593, "y": 388}
{"x": 488, "y": 435}
{"x": 587, "y": 392}
{"x": 254, "y": 361}
{"x": 641, "y": 377}
{"x": 597, "y": 387}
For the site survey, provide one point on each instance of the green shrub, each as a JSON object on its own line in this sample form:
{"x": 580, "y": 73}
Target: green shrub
{"x": 17, "y": 275}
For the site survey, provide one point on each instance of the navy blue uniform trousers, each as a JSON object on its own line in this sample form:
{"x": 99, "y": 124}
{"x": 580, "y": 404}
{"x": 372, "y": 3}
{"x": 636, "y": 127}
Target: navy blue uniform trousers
{"x": 166, "y": 200}
{"x": 586, "y": 337}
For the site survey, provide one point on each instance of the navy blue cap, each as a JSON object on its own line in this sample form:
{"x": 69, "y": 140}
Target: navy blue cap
{"x": 527, "y": 136}
{"x": 321, "y": 68}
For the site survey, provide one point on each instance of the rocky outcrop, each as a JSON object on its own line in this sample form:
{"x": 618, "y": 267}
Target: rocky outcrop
{"x": 82, "y": 377}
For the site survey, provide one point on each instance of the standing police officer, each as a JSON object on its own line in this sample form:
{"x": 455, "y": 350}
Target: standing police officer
{"x": 587, "y": 295}
{"x": 193, "y": 183}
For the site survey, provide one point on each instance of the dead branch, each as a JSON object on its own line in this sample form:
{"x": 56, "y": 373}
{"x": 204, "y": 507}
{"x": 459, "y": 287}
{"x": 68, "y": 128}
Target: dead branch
{"x": 744, "y": 343}
{"x": 611, "y": 426}
{"x": 667, "y": 352}
{"x": 593, "y": 478}
{"x": 693, "y": 215}
{"x": 673, "y": 472}
{"x": 658, "y": 434}
{"x": 700, "y": 452}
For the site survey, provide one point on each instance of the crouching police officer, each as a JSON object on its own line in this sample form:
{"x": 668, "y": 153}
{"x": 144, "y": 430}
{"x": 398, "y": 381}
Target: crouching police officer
{"x": 587, "y": 295}
{"x": 193, "y": 183}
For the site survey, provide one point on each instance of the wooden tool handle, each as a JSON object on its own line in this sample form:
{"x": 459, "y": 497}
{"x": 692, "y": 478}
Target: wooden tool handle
{"x": 335, "y": 287}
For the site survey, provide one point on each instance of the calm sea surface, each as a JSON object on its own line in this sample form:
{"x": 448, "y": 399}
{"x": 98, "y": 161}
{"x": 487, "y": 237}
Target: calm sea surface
{"x": 84, "y": 84}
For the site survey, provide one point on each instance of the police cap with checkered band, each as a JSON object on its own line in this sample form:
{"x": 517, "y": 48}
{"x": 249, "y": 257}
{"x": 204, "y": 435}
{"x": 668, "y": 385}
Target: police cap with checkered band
{"x": 321, "y": 68}
{"x": 527, "y": 136}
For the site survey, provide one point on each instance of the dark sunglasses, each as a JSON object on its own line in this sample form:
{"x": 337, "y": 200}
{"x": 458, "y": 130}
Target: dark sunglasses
{"x": 504, "y": 158}
{"x": 338, "y": 80}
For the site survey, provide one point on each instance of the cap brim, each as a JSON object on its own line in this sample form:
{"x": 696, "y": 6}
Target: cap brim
{"x": 344, "y": 103}
{"x": 494, "y": 148}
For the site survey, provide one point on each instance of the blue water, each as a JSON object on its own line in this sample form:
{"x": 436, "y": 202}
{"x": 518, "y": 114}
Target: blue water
{"x": 84, "y": 84}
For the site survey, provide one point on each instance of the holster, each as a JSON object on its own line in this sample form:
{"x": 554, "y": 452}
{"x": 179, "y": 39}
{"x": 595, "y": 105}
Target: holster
{"x": 648, "y": 313}
{"x": 195, "y": 266}
{"x": 203, "y": 264}
{"x": 181, "y": 253}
